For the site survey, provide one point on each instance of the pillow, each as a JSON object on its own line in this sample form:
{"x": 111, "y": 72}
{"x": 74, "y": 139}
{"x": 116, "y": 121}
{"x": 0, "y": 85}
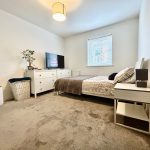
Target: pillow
{"x": 139, "y": 64}
{"x": 130, "y": 80}
{"x": 124, "y": 75}
{"x": 112, "y": 76}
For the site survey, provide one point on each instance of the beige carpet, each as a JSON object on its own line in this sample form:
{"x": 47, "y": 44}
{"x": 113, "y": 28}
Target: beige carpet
{"x": 65, "y": 123}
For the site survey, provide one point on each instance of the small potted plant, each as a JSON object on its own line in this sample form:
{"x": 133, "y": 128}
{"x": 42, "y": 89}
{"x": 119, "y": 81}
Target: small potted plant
{"x": 28, "y": 55}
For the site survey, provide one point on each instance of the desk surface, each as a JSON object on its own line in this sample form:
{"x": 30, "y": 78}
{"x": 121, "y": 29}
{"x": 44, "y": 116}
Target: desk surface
{"x": 132, "y": 87}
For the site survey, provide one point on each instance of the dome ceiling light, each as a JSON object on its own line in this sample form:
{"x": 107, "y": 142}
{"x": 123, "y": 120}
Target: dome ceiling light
{"x": 59, "y": 11}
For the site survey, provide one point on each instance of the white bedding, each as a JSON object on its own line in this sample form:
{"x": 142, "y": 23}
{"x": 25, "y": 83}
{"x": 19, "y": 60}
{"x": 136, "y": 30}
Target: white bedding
{"x": 98, "y": 86}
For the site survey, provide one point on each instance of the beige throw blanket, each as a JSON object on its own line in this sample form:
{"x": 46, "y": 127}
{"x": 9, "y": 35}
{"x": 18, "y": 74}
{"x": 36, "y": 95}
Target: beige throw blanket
{"x": 71, "y": 84}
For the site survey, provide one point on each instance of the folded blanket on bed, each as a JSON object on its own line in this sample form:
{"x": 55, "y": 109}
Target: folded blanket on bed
{"x": 71, "y": 84}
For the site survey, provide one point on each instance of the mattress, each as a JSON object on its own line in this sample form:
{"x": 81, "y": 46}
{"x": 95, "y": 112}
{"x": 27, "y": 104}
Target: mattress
{"x": 98, "y": 86}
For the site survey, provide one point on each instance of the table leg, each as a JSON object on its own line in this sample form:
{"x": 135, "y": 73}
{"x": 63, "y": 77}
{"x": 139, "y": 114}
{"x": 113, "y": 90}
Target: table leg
{"x": 35, "y": 95}
{"x": 115, "y": 106}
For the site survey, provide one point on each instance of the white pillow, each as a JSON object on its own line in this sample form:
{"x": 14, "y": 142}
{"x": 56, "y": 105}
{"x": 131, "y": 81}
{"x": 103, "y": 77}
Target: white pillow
{"x": 139, "y": 65}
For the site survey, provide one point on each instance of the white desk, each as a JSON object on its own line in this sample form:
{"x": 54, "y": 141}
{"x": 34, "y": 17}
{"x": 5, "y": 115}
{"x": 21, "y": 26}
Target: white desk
{"x": 1, "y": 96}
{"x": 125, "y": 93}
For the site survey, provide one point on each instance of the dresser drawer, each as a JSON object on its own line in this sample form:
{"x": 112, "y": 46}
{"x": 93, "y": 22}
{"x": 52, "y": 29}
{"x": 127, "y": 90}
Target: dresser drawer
{"x": 42, "y": 81}
{"x": 63, "y": 73}
{"x": 44, "y": 84}
{"x": 43, "y": 89}
{"x": 47, "y": 74}
{"x": 136, "y": 96}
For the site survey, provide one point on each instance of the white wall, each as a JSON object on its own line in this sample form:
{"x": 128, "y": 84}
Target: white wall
{"x": 125, "y": 48}
{"x": 144, "y": 33}
{"x": 144, "y": 30}
{"x": 17, "y": 35}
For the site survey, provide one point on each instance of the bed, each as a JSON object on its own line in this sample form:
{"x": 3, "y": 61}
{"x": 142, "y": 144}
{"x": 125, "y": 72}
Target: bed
{"x": 98, "y": 85}
{"x": 88, "y": 85}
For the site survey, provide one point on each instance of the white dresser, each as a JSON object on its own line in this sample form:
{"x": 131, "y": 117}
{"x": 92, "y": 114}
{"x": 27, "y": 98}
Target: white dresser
{"x": 1, "y": 96}
{"x": 43, "y": 80}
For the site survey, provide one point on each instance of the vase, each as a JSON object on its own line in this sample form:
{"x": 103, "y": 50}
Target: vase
{"x": 30, "y": 66}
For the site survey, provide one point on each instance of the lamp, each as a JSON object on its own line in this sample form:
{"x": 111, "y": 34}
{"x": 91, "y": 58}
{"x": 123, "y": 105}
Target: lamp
{"x": 59, "y": 11}
{"x": 141, "y": 77}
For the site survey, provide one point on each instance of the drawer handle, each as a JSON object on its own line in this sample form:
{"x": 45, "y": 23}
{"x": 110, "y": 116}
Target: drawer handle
{"x": 40, "y": 75}
{"x": 40, "y": 82}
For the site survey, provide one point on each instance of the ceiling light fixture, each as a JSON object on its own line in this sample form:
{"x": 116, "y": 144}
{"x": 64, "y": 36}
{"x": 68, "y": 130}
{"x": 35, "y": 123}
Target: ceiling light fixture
{"x": 59, "y": 11}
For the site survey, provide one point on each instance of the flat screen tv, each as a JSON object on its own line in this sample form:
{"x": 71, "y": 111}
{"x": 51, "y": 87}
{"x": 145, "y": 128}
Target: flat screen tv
{"x": 61, "y": 63}
{"x": 54, "y": 61}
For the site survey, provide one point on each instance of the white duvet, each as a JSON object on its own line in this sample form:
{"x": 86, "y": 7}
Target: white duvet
{"x": 99, "y": 85}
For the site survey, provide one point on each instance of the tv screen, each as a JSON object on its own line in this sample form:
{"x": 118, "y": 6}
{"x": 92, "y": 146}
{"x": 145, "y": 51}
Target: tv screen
{"x": 61, "y": 61}
{"x": 54, "y": 61}
{"x": 51, "y": 61}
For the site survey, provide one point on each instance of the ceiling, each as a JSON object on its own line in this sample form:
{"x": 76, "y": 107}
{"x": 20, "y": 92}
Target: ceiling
{"x": 82, "y": 15}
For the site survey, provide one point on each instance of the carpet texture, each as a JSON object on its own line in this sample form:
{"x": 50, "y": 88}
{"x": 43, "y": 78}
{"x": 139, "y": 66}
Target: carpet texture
{"x": 65, "y": 122}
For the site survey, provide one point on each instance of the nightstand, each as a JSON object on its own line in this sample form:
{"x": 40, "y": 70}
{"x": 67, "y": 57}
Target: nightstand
{"x": 131, "y": 108}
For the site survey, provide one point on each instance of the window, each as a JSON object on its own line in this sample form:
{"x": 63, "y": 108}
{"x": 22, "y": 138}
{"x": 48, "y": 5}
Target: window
{"x": 100, "y": 51}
